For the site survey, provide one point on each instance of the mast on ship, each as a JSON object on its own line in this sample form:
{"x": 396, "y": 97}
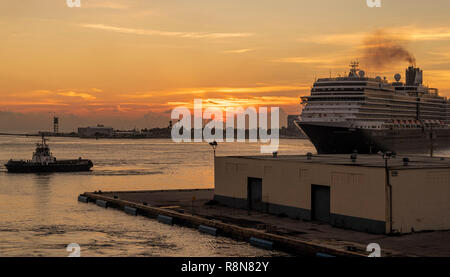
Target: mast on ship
{"x": 354, "y": 68}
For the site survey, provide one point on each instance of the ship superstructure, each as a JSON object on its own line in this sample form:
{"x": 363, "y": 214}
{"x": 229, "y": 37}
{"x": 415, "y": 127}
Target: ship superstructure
{"x": 42, "y": 154}
{"x": 367, "y": 115}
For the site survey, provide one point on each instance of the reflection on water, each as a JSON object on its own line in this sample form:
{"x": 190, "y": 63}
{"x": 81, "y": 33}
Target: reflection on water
{"x": 42, "y": 190}
{"x": 40, "y": 215}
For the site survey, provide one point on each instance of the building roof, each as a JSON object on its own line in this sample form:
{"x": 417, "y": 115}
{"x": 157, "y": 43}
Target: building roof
{"x": 415, "y": 161}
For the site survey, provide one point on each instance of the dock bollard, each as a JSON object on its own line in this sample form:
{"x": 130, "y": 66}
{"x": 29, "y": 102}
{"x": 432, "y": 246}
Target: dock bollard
{"x": 165, "y": 219}
{"x": 82, "y": 198}
{"x": 261, "y": 243}
{"x": 101, "y": 203}
{"x": 130, "y": 210}
{"x": 208, "y": 230}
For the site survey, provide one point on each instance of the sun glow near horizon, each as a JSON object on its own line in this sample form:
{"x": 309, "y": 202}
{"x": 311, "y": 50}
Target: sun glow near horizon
{"x": 132, "y": 58}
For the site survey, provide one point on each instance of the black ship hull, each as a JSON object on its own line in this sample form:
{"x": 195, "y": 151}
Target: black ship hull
{"x": 59, "y": 166}
{"x": 343, "y": 140}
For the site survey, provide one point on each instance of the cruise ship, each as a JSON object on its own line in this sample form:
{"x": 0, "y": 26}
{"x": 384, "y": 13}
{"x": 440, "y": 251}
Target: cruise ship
{"x": 368, "y": 115}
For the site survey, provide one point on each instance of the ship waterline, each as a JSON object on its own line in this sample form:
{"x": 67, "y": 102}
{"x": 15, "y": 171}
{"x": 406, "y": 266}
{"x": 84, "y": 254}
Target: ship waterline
{"x": 338, "y": 139}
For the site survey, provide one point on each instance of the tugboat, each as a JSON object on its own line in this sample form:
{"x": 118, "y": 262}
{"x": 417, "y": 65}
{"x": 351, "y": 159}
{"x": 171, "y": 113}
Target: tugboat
{"x": 44, "y": 161}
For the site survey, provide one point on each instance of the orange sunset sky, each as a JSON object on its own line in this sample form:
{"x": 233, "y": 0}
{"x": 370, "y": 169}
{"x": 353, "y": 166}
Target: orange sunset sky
{"x": 124, "y": 62}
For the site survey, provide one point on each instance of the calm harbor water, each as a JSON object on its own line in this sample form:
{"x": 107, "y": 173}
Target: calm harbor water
{"x": 40, "y": 215}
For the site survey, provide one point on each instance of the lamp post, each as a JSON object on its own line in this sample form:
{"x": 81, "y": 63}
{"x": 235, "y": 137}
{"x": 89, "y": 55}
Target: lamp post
{"x": 214, "y": 146}
{"x": 386, "y": 156}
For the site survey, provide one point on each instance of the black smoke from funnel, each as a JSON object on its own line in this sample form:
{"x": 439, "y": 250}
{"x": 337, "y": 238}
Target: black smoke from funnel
{"x": 381, "y": 49}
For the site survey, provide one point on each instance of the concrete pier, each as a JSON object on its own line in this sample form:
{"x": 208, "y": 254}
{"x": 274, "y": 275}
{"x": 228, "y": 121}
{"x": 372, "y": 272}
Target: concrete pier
{"x": 195, "y": 208}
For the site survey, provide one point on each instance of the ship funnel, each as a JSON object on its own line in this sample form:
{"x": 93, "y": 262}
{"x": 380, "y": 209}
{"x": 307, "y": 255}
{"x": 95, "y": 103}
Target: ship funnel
{"x": 414, "y": 76}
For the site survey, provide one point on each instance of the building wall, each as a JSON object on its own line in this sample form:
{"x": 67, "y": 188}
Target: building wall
{"x": 94, "y": 131}
{"x": 421, "y": 200}
{"x": 357, "y": 194}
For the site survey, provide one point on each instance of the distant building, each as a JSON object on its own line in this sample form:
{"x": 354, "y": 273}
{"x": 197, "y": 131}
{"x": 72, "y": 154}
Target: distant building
{"x": 290, "y": 120}
{"x": 98, "y": 131}
{"x": 127, "y": 133}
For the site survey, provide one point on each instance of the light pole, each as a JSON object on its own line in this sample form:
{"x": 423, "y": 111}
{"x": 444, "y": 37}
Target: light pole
{"x": 386, "y": 156}
{"x": 214, "y": 146}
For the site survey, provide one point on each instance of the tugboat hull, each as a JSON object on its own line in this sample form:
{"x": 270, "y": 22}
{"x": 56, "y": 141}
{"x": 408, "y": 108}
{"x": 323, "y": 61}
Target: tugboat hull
{"x": 59, "y": 166}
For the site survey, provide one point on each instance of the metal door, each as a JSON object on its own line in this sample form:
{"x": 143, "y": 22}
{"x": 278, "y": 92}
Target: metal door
{"x": 320, "y": 203}
{"x": 254, "y": 193}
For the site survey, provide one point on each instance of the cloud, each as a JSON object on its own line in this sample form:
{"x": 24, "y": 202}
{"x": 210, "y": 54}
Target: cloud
{"x": 431, "y": 34}
{"x": 232, "y": 102}
{"x": 221, "y": 90}
{"x": 341, "y": 39}
{"x": 85, "y": 102}
{"x": 409, "y": 33}
{"x": 306, "y": 60}
{"x": 239, "y": 51}
{"x": 105, "y": 5}
{"x": 377, "y": 49}
{"x": 85, "y": 96}
{"x": 441, "y": 55}
{"x": 255, "y": 89}
{"x": 327, "y": 62}
{"x": 33, "y": 103}
{"x": 148, "y": 32}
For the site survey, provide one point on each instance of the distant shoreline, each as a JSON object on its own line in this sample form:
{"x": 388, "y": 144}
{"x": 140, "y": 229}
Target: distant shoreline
{"x": 97, "y": 138}
{"x": 284, "y": 134}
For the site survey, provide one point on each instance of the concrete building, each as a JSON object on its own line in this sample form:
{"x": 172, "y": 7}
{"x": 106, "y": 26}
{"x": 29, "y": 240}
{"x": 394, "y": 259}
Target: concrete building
{"x": 98, "y": 131}
{"x": 411, "y": 194}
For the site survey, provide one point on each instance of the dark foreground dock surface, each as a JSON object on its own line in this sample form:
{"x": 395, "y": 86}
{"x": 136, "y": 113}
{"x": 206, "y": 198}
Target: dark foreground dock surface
{"x": 194, "y": 207}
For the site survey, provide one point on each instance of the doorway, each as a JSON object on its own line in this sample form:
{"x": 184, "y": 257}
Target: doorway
{"x": 254, "y": 193}
{"x": 320, "y": 203}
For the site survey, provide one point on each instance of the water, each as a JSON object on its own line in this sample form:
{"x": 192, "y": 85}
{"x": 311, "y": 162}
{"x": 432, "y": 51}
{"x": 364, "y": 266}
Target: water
{"x": 40, "y": 215}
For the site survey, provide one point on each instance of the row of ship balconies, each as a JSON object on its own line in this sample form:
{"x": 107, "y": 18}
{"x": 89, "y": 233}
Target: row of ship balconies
{"x": 324, "y": 111}
{"x": 348, "y": 96}
{"x": 382, "y": 93}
